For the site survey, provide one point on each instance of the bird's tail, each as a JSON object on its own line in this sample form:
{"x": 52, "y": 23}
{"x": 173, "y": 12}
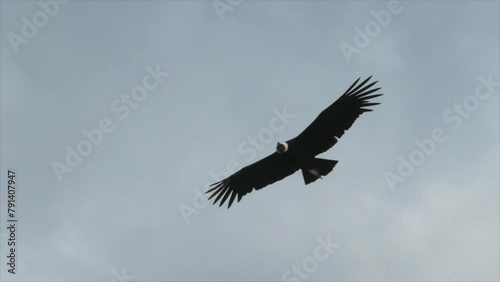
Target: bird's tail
{"x": 317, "y": 168}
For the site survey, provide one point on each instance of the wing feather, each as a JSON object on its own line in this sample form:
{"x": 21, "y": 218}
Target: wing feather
{"x": 255, "y": 176}
{"x": 324, "y": 132}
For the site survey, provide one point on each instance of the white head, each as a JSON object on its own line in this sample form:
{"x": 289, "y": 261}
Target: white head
{"x": 281, "y": 148}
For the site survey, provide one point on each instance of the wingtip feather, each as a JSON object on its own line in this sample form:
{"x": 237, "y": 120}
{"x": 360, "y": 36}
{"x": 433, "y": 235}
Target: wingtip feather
{"x": 228, "y": 192}
{"x": 233, "y": 196}
{"x": 358, "y": 87}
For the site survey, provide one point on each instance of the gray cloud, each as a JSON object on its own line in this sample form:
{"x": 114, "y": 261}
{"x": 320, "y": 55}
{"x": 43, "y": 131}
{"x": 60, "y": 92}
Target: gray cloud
{"x": 119, "y": 209}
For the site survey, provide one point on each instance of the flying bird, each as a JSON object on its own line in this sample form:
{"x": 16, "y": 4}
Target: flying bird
{"x": 300, "y": 152}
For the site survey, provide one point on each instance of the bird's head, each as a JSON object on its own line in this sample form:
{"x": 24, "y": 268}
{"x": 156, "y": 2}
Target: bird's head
{"x": 281, "y": 147}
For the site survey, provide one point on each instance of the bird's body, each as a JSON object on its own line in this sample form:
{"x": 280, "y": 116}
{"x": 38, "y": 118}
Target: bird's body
{"x": 300, "y": 152}
{"x": 305, "y": 160}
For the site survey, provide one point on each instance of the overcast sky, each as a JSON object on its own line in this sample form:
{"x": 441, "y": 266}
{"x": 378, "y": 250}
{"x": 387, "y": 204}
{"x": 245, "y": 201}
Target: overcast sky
{"x": 212, "y": 83}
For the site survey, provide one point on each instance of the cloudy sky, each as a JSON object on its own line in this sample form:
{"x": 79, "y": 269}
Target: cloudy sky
{"x": 116, "y": 115}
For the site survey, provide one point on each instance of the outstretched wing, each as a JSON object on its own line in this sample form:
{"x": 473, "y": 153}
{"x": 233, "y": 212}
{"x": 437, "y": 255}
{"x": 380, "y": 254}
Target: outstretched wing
{"x": 255, "y": 176}
{"x": 331, "y": 123}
